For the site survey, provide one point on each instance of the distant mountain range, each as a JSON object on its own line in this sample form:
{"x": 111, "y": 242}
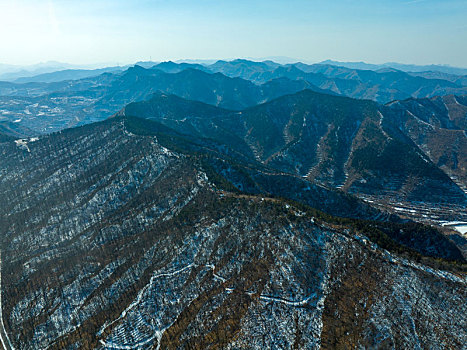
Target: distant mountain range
{"x": 12, "y": 72}
{"x": 47, "y": 107}
{"x": 68, "y": 74}
{"x": 403, "y": 67}
{"x": 15, "y": 72}
{"x": 9, "y": 70}
{"x": 60, "y": 104}
{"x": 382, "y": 85}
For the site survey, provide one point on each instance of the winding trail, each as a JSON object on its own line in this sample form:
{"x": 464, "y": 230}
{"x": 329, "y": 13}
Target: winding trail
{"x": 157, "y": 333}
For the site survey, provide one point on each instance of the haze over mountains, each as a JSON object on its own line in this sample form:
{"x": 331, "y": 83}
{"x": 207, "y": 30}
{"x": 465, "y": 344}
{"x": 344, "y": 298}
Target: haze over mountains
{"x": 11, "y": 72}
{"x": 25, "y": 72}
{"x": 236, "y": 204}
{"x": 237, "y": 84}
{"x": 412, "y": 68}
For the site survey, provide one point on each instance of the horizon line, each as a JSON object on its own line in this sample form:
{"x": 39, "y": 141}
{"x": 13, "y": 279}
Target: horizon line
{"x": 276, "y": 59}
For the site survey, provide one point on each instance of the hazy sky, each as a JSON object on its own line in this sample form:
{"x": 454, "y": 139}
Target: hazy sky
{"x": 118, "y": 31}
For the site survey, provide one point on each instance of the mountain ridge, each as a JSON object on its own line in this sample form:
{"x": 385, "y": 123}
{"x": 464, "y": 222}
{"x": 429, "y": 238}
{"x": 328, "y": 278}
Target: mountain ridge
{"x": 290, "y": 132}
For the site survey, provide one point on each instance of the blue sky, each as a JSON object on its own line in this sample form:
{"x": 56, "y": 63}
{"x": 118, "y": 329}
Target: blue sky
{"x": 117, "y": 31}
